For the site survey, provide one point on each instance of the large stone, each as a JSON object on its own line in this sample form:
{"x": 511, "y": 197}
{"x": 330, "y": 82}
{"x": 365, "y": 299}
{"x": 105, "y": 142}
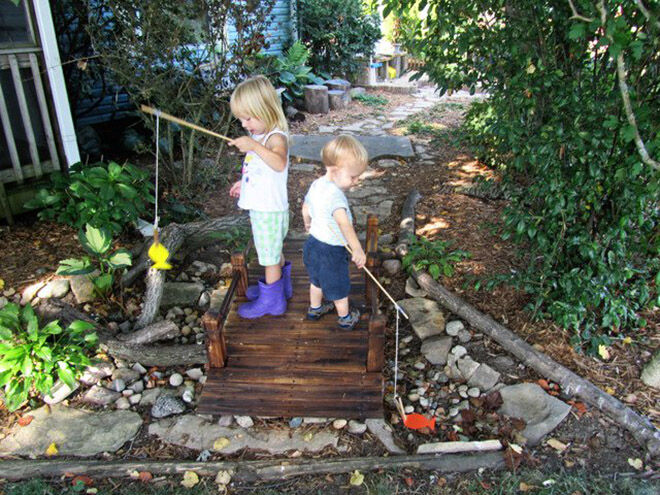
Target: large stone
{"x": 308, "y": 147}
{"x": 383, "y": 432}
{"x": 181, "y": 294}
{"x": 54, "y": 289}
{"x": 100, "y": 396}
{"x": 436, "y": 349}
{"x": 217, "y": 297}
{"x": 82, "y": 288}
{"x": 651, "y": 372}
{"x": 197, "y": 433}
{"x": 539, "y": 410}
{"x": 73, "y": 431}
{"x": 166, "y": 405}
{"x": 425, "y": 316}
{"x": 382, "y": 210}
{"x": 484, "y": 377}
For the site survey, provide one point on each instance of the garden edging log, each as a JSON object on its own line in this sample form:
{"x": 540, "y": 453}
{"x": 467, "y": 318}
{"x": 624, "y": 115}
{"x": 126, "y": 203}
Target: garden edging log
{"x": 249, "y": 471}
{"x": 573, "y": 385}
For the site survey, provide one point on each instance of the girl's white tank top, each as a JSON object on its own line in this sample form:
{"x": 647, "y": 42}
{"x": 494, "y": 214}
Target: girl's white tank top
{"x": 262, "y": 188}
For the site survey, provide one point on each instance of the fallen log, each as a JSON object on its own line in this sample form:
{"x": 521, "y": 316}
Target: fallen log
{"x": 572, "y": 384}
{"x": 249, "y": 471}
{"x": 156, "y": 355}
{"x": 173, "y": 237}
{"x": 407, "y": 225}
{"x": 161, "y": 330}
{"x": 459, "y": 447}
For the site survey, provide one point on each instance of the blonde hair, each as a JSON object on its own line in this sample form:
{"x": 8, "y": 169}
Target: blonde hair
{"x": 256, "y": 97}
{"x": 342, "y": 147}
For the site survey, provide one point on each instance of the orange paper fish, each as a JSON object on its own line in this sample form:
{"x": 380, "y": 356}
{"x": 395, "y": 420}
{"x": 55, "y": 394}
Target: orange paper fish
{"x": 416, "y": 421}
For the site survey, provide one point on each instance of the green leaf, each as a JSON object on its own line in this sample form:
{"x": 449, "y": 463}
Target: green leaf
{"x": 73, "y": 266}
{"x": 95, "y": 240}
{"x": 434, "y": 270}
{"x": 80, "y": 326}
{"x": 120, "y": 259}
{"x": 65, "y": 374}
{"x": 103, "y": 283}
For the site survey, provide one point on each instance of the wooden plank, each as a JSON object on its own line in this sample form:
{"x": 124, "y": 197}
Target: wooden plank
{"x": 25, "y": 114}
{"x": 300, "y": 409}
{"x": 9, "y": 175}
{"x": 43, "y": 108}
{"x": 276, "y": 366}
{"x": 11, "y": 143}
{"x": 295, "y": 377}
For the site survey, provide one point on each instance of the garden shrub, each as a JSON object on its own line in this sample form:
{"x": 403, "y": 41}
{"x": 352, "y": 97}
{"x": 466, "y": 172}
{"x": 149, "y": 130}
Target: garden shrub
{"x": 338, "y": 34}
{"x": 33, "y": 357}
{"x": 102, "y": 268}
{"x": 109, "y": 196}
{"x": 433, "y": 256}
{"x": 584, "y": 197}
{"x": 178, "y": 57}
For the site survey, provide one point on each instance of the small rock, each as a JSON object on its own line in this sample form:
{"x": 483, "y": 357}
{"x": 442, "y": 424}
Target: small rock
{"x": 244, "y": 421}
{"x": 137, "y": 387}
{"x": 187, "y": 396}
{"x": 464, "y": 336}
{"x": 139, "y": 368}
{"x": 474, "y": 392}
{"x": 413, "y": 397}
{"x": 226, "y": 270}
{"x": 408, "y": 409}
{"x": 459, "y": 351}
{"x": 166, "y": 405}
{"x": 338, "y": 424}
{"x": 356, "y": 427}
{"x": 484, "y": 377}
{"x": 392, "y": 267}
{"x": 413, "y": 289}
{"x": 314, "y": 421}
{"x": 54, "y": 289}
{"x": 225, "y": 420}
{"x": 436, "y": 349}
{"x": 122, "y": 403}
{"x": 176, "y": 379}
{"x": 135, "y": 399}
{"x": 453, "y": 327}
{"x": 127, "y": 375}
{"x": 467, "y": 366}
{"x": 295, "y": 422}
{"x": 100, "y": 396}
{"x": 651, "y": 371}
{"x": 419, "y": 365}
{"x": 118, "y": 385}
{"x": 424, "y": 402}
{"x": 204, "y": 299}
{"x": 186, "y": 330}
{"x": 195, "y": 373}
{"x": 96, "y": 372}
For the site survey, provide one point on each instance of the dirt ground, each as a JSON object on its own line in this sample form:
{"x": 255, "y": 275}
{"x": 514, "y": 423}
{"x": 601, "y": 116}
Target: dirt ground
{"x": 32, "y": 250}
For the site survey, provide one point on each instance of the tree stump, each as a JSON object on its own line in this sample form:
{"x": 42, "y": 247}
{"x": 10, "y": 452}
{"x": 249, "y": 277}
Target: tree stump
{"x": 337, "y": 99}
{"x": 316, "y": 98}
{"x": 340, "y": 85}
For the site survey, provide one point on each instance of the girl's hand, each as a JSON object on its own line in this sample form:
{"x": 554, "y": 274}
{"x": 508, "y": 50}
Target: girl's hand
{"x": 359, "y": 258}
{"x": 244, "y": 144}
{"x": 235, "y": 190}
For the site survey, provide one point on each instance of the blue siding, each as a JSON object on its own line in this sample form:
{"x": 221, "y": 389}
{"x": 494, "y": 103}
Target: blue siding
{"x": 279, "y": 30}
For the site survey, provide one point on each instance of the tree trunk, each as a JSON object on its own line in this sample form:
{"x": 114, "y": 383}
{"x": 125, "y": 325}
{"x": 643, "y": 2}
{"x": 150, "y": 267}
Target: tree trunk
{"x": 573, "y": 385}
{"x": 407, "y": 225}
{"x": 161, "y": 330}
{"x": 249, "y": 471}
{"x": 157, "y": 355}
{"x": 316, "y": 98}
{"x": 195, "y": 235}
{"x": 337, "y": 99}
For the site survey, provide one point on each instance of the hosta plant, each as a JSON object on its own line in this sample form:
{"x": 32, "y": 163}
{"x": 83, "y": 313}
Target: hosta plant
{"x": 433, "y": 256}
{"x": 33, "y": 357}
{"x": 104, "y": 264}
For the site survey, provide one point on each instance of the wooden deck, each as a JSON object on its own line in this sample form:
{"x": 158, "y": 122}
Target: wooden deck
{"x": 288, "y": 366}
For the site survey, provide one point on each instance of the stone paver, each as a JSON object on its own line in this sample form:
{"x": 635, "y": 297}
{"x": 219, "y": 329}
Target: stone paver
{"x": 308, "y": 147}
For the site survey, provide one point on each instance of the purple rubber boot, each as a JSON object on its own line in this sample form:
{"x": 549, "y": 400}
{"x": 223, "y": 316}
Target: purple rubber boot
{"x": 271, "y": 301}
{"x": 253, "y": 291}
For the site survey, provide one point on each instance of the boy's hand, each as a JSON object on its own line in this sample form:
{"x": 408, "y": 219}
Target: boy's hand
{"x": 235, "y": 190}
{"x": 359, "y": 258}
{"x": 244, "y": 144}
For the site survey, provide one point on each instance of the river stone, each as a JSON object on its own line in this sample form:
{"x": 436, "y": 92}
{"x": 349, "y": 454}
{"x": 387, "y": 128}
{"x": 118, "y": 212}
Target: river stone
{"x": 651, "y": 372}
{"x": 425, "y": 316}
{"x": 100, "y": 396}
{"x": 82, "y": 287}
{"x": 197, "y": 433}
{"x": 383, "y": 432}
{"x": 73, "y": 431}
{"x": 356, "y": 427}
{"x": 96, "y": 372}
{"x": 413, "y": 289}
{"x": 391, "y": 267}
{"x": 30, "y": 292}
{"x": 128, "y": 375}
{"x": 59, "y": 392}
{"x": 484, "y": 378}
{"x": 436, "y": 349}
{"x": 453, "y": 327}
{"x": 167, "y": 405}
{"x": 54, "y": 289}
{"x": 532, "y": 404}
{"x": 468, "y": 367}
{"x": 181, "y": 294}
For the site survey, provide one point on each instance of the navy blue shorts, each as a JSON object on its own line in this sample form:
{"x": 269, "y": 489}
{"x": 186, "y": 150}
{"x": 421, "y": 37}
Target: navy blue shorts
{"x": 327, "y": 267}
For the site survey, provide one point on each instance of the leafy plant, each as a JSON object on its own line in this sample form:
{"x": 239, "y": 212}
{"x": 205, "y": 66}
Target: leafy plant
{"x": 571, "y": 125}
{"x": 371, "y": 100}
{"x": 105, "y": 196}
{"x": 32, "y": 357}
{"x": 291, "y": 72}
{"x": 234, "y": 238}
{"x": 432, "y": 256}
{"x": 340, "y": 34}
{"x": 97, "y": 242}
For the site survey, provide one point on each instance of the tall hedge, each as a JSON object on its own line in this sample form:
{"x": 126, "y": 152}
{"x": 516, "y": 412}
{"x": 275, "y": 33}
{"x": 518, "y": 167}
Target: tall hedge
{"x": 572, "y": 124}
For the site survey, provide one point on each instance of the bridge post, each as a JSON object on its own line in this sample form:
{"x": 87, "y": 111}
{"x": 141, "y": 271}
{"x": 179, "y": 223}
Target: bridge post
{"x": 239, "y": 268}
{"x": 371, "y": 249}
{"x": 216, "y": 348}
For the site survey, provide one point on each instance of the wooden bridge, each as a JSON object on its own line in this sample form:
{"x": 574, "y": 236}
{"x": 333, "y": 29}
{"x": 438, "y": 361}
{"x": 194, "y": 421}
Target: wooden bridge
{"x": 288, "y": 366}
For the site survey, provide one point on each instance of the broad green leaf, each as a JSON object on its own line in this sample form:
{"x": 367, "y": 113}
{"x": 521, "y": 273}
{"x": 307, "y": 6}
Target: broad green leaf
{"x": 73, "y": 266}
{"x": 95, "y": 240}
{"x": 120, "y": 259}
{"x": 103, "y": 283}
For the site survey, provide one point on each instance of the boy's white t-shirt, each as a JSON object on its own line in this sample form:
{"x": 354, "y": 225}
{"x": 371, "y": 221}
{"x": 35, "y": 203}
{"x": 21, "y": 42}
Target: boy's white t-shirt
{"x": 262, "y": 188}
{"x": 323, "y": 198}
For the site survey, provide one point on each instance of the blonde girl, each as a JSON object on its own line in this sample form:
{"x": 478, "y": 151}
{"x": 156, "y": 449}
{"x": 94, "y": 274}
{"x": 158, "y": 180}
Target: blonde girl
{"x": 262, "y": 190}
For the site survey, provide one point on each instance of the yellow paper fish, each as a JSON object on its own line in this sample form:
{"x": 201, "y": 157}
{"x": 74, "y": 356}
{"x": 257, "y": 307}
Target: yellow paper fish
{"x": 159, "y": 254}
